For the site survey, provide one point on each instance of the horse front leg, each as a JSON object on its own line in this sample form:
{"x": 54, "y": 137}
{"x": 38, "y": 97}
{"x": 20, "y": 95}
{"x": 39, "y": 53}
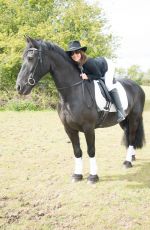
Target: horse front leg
{"x": 74, "y": 137}
{"x": 90, "y": 140}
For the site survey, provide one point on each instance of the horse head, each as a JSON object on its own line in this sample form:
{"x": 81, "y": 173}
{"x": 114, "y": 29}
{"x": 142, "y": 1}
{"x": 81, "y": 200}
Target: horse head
{"x": 33, "y": 68}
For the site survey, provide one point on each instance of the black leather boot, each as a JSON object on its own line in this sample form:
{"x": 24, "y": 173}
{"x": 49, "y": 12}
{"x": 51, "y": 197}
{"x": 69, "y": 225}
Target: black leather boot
{"x": 116, "y": 100}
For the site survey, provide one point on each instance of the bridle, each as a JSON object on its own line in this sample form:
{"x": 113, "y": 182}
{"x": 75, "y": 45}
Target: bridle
{"x": 31, "y": 81}
{"x": 30, "y": 54}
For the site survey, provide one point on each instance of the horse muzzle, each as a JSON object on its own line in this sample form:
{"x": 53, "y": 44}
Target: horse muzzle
{"x": 23, "y": 89}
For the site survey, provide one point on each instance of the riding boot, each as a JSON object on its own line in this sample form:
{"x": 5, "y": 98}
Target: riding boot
{"x": 116, "y": 100}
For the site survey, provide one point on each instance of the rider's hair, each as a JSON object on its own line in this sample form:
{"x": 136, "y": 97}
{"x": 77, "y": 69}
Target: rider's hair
{"x": 83, "y": 57}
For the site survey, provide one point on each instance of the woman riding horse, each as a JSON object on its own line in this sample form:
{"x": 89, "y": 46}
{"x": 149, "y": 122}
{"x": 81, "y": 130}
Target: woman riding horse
{"x": 91, "y": 71}
{"x": 77, "y": 108}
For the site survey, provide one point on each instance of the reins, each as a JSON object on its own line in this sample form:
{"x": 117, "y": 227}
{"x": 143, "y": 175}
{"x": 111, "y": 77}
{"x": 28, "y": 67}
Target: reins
{"x": 83, "y": 91}
{"x": 67, "y": 87}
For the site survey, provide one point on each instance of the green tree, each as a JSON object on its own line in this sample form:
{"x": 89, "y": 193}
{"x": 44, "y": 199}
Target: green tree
{"x": 121, "y": 72}
{"x": 146, "y": 78}
{"x": 135, "y": 73}
{"x": 147, "y": 74}
{"x": 54, "y": 20}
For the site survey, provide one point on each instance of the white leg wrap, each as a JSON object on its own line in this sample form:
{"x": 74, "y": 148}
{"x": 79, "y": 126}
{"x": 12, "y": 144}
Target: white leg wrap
{"x": 78, "y": 166}
{"x": 133, "y": 152}
{"x": 130, "y": 152}
{"x": 93, "y": 166}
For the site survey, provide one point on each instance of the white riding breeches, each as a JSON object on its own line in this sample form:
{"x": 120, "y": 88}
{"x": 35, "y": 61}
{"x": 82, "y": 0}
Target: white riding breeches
{"x": 109, "y": 75}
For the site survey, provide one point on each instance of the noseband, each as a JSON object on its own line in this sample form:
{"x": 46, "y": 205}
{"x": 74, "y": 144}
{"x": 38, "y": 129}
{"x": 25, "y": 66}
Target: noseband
{"x": 30, "y": 54}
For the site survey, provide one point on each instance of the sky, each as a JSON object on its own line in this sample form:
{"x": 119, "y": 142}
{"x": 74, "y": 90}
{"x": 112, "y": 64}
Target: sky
{"x": 130, "y": 20}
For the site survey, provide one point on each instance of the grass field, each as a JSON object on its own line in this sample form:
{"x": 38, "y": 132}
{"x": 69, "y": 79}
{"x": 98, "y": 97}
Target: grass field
{"x": 36, "y": 193}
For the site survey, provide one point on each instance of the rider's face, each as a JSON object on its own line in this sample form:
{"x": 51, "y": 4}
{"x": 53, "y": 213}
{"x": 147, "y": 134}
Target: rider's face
{"x": 76, "y": 55}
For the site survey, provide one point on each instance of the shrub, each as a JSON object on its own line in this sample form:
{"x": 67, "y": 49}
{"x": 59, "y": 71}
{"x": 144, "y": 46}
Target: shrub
{"x": 21, "y": 105}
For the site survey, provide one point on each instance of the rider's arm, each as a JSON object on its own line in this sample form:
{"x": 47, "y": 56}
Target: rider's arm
{"x": 92, "y": 70}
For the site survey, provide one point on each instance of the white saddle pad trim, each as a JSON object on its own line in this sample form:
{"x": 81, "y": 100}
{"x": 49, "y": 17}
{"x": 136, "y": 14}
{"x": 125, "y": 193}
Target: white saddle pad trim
{"x": 101, "y": 101}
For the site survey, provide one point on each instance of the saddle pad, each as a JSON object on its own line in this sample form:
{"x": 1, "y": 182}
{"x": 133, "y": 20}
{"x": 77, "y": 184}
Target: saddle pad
{"x": 101, "y": 101}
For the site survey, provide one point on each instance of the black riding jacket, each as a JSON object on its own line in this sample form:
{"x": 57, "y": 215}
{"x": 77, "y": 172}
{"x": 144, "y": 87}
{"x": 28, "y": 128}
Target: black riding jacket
{"x": 95, "y": 68}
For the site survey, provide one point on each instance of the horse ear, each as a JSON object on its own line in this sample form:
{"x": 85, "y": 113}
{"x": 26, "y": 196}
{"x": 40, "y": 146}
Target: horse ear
{"x": 31, "y": 41}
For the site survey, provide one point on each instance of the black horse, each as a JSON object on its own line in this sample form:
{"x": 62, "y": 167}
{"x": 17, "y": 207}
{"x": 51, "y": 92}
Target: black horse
{"x": 77, "y": 108}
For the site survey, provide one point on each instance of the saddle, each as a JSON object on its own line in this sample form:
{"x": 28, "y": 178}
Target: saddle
{"x": 103, "y": 99}
{"x": 108, "y": 101}
{"x": 105, "y": 93}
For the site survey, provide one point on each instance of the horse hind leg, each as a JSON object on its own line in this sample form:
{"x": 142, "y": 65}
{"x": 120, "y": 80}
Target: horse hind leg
{"x": 134, "y": 137}
{"x": 130, "y": 156}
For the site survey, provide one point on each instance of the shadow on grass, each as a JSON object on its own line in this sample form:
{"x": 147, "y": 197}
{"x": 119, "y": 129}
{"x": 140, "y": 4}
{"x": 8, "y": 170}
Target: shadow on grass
{"x": 140, "y": 178}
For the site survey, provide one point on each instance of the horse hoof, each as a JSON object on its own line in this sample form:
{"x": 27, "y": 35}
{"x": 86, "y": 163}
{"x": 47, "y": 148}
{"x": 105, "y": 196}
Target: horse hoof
{"x": 127, "y": 164}
{"x": 133, "y": 158}
{"x": 92, "y": 179}
{"x": 76, "y": 177}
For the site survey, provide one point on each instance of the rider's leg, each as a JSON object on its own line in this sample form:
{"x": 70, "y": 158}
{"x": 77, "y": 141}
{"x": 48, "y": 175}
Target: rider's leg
{"x": 109, "y": 76}
{"x": 116, "y": 99}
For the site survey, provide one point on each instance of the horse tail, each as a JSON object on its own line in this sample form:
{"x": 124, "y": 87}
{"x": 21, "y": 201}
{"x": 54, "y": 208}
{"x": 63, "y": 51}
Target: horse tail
{"x": 139, "y": 134}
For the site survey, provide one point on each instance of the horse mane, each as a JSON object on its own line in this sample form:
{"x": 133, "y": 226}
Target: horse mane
{"x": 47, "y": 46}
{"x": 58, "y": 50}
